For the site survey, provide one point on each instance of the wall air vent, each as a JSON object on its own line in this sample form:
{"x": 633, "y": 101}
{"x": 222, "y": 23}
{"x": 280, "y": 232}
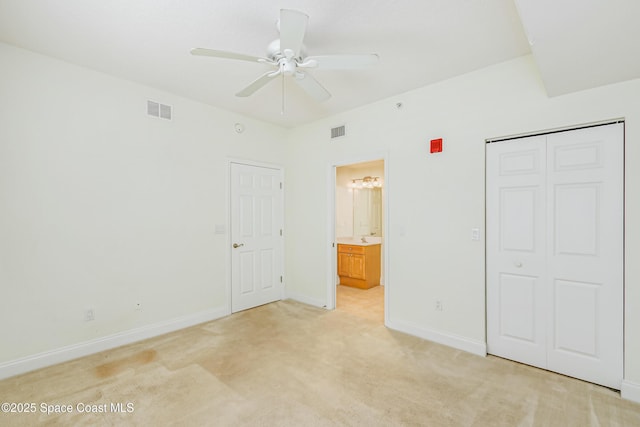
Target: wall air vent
{"x": 337, "y": 132}
{"x": 165, "y": 112}
{"x": 161, "y": 111}
{"x": 153, "y": 109}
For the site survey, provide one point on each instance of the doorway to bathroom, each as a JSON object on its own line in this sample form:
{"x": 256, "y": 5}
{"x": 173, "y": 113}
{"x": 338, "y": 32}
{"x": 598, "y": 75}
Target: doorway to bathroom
{"x": 359, "y": 239}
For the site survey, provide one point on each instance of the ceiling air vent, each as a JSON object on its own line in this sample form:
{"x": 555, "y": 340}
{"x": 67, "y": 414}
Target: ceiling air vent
{"x": 161, "y": 111}
{"x": 337, "y": 132}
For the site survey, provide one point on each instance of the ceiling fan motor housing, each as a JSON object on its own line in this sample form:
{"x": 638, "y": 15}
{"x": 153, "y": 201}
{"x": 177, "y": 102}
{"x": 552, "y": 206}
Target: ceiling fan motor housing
{"x": 274, "y": 52}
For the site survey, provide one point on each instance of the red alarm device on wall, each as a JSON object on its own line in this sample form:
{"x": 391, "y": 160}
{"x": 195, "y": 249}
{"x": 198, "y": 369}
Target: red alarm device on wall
{"x": 436, "y": 145}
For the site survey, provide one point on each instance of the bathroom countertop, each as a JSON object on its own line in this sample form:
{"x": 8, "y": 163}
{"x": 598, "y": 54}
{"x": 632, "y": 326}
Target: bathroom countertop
{"x": 357, "y": 242}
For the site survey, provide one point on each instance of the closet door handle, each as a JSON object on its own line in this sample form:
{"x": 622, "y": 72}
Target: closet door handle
{"x": 236, "y": 245}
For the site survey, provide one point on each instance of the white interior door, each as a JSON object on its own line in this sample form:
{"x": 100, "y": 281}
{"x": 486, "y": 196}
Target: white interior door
{"x": 256, "y": 236}
{"x": 555, "y": 252}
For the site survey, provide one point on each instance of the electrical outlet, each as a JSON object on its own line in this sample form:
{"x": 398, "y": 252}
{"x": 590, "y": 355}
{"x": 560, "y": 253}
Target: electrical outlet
{"x": 438, "y": 305}
{"x": 89, "y": 315}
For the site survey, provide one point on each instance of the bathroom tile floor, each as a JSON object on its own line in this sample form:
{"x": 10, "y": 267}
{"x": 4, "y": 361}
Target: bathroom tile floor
{"x": 365, "y": 303}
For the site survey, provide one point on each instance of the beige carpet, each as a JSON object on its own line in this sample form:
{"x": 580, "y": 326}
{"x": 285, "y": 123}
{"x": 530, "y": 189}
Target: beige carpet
{"x": 289, "y": 364}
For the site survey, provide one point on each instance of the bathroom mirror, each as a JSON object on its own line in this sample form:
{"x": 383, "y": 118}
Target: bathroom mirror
{"x": 367, "y": 211}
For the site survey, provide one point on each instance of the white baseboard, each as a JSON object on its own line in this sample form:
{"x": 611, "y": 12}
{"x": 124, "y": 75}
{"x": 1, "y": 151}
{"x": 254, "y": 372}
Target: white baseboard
{"x": 74, "y": 351}
{"x": 305, "y": 299}
{"x": 630, "y": 391}
{"x": 461, "y": 343}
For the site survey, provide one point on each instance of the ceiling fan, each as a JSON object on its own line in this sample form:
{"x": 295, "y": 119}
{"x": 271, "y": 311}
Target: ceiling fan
{"x": 287, "y": 54}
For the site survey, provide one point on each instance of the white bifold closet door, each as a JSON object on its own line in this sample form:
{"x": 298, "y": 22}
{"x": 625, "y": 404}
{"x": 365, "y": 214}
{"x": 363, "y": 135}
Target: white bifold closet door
{"x": 555, "y": 206}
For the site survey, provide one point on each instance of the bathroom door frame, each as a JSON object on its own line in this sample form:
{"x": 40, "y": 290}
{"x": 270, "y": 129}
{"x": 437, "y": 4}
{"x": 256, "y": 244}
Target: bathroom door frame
{"x": 332, "y": 246}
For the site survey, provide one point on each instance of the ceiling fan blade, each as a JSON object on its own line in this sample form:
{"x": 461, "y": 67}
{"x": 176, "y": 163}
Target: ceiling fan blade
{"x": 340, "y": 62}
{"x": 293, "y": 25}
{"x": 311, "y": 86}
{"x": 258, "y": 83}
{"x": 200, "y": 51}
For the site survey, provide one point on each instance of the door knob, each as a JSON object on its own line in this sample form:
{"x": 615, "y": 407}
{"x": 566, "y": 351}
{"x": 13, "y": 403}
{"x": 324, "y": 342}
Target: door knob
{"x": 517, "y": 264}
{"x": 236, "y": 245}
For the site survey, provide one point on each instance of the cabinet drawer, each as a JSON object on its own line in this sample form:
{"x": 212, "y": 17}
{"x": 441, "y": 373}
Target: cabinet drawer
{"x": 351, "y": 249}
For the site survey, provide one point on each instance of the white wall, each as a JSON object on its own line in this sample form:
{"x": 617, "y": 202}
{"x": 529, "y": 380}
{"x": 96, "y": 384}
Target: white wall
{"x": 103, "y": 207}
{"x": 436, "y": 199}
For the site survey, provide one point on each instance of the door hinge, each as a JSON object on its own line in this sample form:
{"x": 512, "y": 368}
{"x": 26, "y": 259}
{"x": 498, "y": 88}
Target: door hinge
{"x": 281, "y": 231}
{"x": 280, "y": 279}
{"x": 281, "y": 186}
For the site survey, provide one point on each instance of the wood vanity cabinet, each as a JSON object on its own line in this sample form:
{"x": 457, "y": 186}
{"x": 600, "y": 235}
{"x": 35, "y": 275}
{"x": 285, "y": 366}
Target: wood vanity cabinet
{"x": 359, "y": 266}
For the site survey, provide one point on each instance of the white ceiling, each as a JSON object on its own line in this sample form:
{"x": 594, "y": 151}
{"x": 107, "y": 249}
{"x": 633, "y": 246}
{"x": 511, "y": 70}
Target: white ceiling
{"x": 577, "y": 44}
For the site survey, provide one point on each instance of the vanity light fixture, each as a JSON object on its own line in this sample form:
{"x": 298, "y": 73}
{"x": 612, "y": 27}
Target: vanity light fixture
{"x": 367, "y": 182}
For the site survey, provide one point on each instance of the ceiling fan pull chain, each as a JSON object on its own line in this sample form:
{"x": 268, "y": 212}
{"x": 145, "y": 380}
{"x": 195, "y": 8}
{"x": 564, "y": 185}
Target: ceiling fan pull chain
{"x": 282, "y": 110}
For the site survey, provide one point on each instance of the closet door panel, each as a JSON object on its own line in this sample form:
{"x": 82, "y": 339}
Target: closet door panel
{"x": 516, "y": 293}
{"x": 585, "y": 253}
